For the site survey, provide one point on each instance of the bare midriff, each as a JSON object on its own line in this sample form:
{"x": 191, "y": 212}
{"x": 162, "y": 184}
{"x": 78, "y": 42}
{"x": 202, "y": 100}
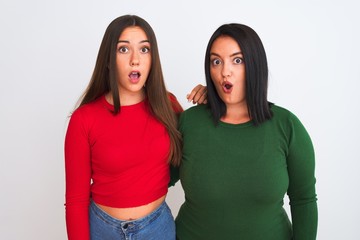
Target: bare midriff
{"x": 133, "y": 213}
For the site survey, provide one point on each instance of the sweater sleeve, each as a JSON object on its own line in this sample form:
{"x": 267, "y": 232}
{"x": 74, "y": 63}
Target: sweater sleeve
{"x": 301, "y": 170}
{"x": 175, "y": 104}
{"x": 78, "y": 175}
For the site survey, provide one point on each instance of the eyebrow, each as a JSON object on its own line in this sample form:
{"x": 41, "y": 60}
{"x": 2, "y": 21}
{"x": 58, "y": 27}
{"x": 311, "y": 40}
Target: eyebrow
{"x": 234, "y": 54}
{"x": 126, "y": 41}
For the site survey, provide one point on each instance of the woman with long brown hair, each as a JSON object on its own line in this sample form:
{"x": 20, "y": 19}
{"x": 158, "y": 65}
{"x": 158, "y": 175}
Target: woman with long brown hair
{"x": 121, "y": 139}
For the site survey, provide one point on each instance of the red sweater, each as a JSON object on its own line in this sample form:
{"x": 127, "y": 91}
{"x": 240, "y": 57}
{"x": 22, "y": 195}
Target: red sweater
{"x": 117, "y": 160}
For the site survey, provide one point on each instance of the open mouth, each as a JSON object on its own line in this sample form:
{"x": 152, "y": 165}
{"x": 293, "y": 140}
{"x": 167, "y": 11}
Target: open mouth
{"x": 134, "y": 75}
{"x": 227, "y": 86}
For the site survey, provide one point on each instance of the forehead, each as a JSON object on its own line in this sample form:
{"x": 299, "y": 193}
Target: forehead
{"x": 133, "y": 33}
{"x": 225, "y": 44}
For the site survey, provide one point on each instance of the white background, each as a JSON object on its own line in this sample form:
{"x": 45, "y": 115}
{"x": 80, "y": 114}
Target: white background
{"x": 47, "y": 54}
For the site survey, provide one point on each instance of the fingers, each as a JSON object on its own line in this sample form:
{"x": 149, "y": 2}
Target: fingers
{"x": 202, "y": 99}
{"x": 190, "y": 96}
{"x": 198, "y": 95}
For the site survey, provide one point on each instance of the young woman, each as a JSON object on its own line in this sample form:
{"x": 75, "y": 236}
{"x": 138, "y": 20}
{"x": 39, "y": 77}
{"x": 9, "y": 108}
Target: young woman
{"x": 121, "y": 139}
{"x": 251, "y": 152}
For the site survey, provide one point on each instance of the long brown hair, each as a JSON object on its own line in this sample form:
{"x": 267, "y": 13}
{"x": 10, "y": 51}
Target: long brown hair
{"x": 104, "y": 80}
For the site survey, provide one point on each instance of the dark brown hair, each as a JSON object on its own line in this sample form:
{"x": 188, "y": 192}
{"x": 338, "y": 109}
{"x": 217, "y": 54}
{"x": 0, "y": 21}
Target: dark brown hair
{"x": 256, "y": 76}
{"x": 104, "y": 80}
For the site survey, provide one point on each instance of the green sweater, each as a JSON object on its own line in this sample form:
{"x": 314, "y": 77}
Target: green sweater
{"x": 235, "y": 177}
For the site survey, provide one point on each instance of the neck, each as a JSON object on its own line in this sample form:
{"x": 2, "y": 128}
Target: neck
{"x": 128, "y": 98}
{"x": 236, "y": 114}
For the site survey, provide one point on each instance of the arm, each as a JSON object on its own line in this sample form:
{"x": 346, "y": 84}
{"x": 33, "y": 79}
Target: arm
{"x": 78, "y": 175}
{"x": 301, "y": 191}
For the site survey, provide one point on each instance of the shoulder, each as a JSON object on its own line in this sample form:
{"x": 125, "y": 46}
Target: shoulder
{"x": 195, "y": 114}
{"x": 278, "y": 110}
{"x": 175, "y": 103}
{"x": 286, "y": 118}
{"x": 197, "y": 110}
{"x": 282, "y": 113}
{"x": 89, "y": 111}
{"x": 196, "y": 119}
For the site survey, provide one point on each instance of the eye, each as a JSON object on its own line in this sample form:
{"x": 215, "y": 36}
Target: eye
{"x": 215, "y": 61}
{"x": 238, "y": 60}
{"x": 123, "y": 49}
{"x": 145, "y": 50}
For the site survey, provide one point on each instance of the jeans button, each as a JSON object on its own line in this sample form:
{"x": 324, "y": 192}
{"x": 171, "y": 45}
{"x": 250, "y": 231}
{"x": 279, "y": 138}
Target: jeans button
{"x": 125, "y": 226}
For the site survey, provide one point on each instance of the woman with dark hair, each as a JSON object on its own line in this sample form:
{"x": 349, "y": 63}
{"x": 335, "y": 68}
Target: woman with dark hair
{"x": 121, "y": 139}
{"x": 252, "y": 152}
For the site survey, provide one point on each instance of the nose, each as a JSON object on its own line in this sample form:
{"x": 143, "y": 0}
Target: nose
{"x": 226, "y": 70}
{"x": 134, "y": 61}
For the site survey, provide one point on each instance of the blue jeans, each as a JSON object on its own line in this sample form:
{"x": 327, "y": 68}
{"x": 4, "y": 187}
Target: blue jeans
{"x": 158, "y": 225}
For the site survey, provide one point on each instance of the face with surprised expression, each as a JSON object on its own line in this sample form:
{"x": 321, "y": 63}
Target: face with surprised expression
{"x": 227, "y": 70}
{"x": 133, "y": 62}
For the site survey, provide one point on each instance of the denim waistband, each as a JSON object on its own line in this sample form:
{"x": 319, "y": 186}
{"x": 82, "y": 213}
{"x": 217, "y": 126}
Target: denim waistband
{"x": 134, "y": 225}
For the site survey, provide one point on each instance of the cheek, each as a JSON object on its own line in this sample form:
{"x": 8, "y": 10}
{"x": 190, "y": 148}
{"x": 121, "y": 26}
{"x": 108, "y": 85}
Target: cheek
{"x": 214, "y": 75}
{"x": 148, "y": 65}
{"x": 121, "y": 65}
{"x": 147, "y": 60}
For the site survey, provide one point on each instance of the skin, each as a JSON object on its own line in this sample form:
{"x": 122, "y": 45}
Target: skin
{"x": 198, "y": 95}
{"x": 129, "y": 56}
{"x": 133, "y": 56}
{"x": 227, "y": 70}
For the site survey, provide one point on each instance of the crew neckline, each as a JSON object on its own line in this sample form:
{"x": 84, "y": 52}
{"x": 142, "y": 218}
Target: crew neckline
{"x": 236, "y": 125}
{"x": 135, "y": 105}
